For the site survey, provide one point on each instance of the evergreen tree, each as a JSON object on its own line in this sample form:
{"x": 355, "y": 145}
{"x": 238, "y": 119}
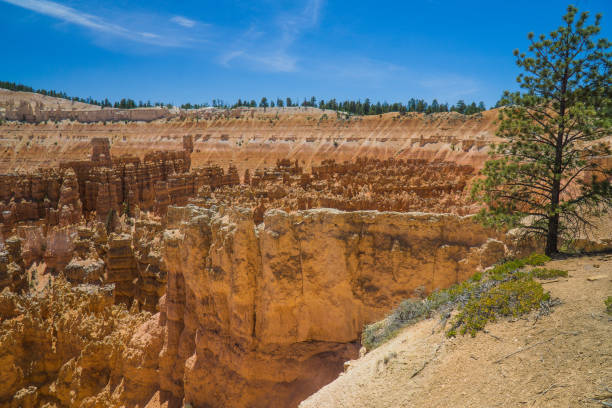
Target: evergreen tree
{"x": 435, "y": 106}
{"x": 545, "y": 175}
{"x": 461, "y": 107}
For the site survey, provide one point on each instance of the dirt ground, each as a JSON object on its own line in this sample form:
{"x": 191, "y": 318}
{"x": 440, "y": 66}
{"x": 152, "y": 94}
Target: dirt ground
{"x": 560, "y": 360}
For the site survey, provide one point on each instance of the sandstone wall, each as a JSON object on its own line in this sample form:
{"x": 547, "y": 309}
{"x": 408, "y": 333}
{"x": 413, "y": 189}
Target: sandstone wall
{"x": 58, "y": 196}
{"x": 262, "y": 316}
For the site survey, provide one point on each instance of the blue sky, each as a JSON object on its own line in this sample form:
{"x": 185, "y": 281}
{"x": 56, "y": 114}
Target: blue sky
{"x": 194, "y": 51}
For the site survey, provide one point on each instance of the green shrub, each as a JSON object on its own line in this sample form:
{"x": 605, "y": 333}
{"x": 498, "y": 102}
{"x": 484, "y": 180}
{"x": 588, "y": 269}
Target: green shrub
{"x": 537, "y": 259}
{"x": 608, "y": 303}
{"x": 477, "y": 277}
{"x": 511, "y": 298}
{"x": 543, "y": 273}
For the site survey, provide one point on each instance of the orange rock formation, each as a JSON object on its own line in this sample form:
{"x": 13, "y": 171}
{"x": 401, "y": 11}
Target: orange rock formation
{"x": 146, "y": 274}
{"x": 267, "y": 306}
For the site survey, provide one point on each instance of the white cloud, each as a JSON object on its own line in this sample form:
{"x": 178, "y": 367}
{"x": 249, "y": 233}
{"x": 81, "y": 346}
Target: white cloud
{"x": 68, "y": 14}
{"x": 96, "y": 23}
{"x": 183, "y": 21}
{"x": 271, "y": 50}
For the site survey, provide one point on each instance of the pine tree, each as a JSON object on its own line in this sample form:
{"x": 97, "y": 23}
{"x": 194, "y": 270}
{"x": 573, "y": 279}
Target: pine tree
{"x": 461, "y": 107}
{"x": 545, "y": 176}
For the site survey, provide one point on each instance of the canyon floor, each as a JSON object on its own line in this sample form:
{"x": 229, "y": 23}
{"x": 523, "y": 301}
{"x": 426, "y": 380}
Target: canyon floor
{"x": 560, "y": 360}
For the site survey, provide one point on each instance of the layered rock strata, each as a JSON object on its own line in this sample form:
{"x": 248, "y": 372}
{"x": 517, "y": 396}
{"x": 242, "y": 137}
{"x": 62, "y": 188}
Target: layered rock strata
{"x": 125, "y": 183}
{"x": 104, "y": 185}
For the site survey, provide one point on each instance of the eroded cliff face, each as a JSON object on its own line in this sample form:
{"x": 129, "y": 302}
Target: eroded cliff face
{"x": 260, "y": 316}
{"x": 69, "y": 346}
{"x": 257, "y": 138}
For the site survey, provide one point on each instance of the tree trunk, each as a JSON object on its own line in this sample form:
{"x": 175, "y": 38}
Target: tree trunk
{"x": 552, "y": 238}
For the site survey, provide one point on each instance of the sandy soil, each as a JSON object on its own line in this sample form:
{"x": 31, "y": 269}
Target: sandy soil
{"x": 560, "y": 360}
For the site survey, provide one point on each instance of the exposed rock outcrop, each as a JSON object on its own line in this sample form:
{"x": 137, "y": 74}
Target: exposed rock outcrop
{"x": 51, "y": 195}
{"x": 122, "y": 184}
{"x": 12, "y": 268}
{"x": 263, "y": 308}
{"x": 34, "y": 108}
{"x": 67, "y": 346}
{"x": 121, "y": 267}
{"x": 150, "y": 266}
{"x": 362, "y": 184}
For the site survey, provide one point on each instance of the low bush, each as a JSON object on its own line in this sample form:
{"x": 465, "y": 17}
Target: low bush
{"x": 543, "y": 273}
{"x": 507, "y": 289}
{"x": 408, "y": 312}
{"x": 514, "y": 298}
{"x": 536, "y": 259}
{"x": 608, "y": 303}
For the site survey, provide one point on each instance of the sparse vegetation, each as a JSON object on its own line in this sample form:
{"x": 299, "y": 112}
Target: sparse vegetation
{"x": 608, "y": 303}
{"x": 516, "y": 296}
{"x": 543, "y": 273}
{"x": 507, "y": 289}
